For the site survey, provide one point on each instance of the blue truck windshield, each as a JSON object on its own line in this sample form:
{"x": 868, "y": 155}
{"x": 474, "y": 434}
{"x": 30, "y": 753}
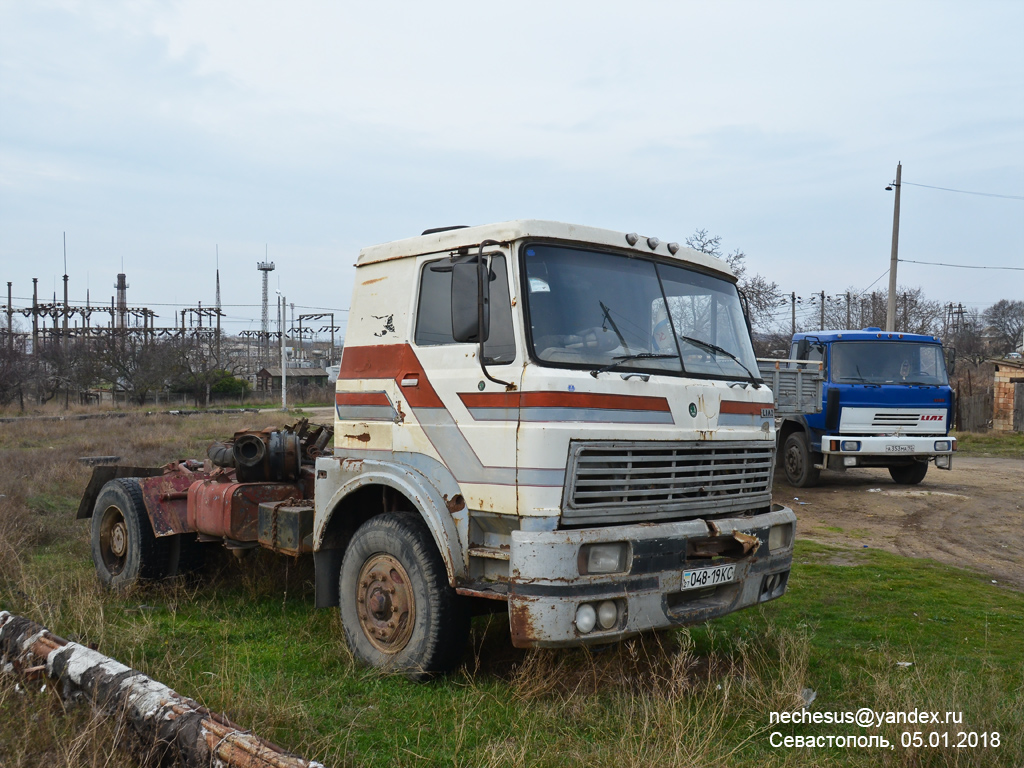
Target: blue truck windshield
{"x": 887, "y": 362}
{"x": 597, "y": 310}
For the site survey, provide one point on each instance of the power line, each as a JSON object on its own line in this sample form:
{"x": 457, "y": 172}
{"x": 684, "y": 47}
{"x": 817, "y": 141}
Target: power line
{"x": 964, "y": 191}
{"x": 873, "y": 282}
{"x": 961, "y": 266}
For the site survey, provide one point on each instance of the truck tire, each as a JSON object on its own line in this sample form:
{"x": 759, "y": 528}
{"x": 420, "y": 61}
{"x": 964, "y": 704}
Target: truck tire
{"x": 397, "y": 608}
{"x": 124, "y": 548}
{"x": 798, "y": 463}
{"x": 909, "y": 474}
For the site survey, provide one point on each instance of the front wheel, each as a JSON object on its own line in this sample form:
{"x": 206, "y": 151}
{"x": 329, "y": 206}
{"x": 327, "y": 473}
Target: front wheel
{"x": 797, "y": 462}
{"x": 397, "y": 608}
{"x": 124, "y": 547}
{"x": 909, "y": 474}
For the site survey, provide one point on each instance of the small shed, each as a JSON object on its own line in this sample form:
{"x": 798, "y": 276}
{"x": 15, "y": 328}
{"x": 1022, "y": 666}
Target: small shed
{"x": 269, "y": 379}
{"x": 1008, "y": 395}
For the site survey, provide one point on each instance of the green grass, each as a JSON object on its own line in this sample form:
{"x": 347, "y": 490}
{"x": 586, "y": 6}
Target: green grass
{"x": 240, "y": 645}
{"x": 246, "y": 640}
{"x": 1005, "y": 445}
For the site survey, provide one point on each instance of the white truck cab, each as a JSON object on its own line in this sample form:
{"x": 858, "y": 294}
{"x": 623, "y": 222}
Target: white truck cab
{"x": 563, "y": 419}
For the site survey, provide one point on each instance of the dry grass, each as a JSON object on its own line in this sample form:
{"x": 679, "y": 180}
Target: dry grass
{"x": 46, "y": 573}
{"x": 39, "y": 730}
{"x": 666, "y": 704}
{"x": 697, "y": 698}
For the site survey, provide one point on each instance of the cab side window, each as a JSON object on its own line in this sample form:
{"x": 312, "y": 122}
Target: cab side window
{"x": 434, "y": 313}
{"x": 815, "y": 353}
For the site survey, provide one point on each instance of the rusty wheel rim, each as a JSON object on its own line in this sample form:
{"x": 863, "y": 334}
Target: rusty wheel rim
{"x": 113, "y": 540}
{"x": 385, "y": 603}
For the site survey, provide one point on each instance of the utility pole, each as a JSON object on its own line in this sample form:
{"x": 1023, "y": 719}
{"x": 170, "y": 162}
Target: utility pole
{"x": 821, "y": 325}
{"x": 64, "y": 334}
{"x": 10, "y": 319}
{"x": 847, "y": 309}
{"x": 284, "y": 360}
{"x": 792, "y": 302}
{"x": 218, "y": 306}
{"x": 890, "y": 316}
{"x": 35, "y": 316}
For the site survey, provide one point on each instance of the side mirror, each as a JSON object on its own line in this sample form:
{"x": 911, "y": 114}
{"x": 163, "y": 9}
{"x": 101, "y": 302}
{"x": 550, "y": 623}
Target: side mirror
{"x": 803, "y": 347}
{"x": 471, "y": 301}
{"x": 950, "y": 361}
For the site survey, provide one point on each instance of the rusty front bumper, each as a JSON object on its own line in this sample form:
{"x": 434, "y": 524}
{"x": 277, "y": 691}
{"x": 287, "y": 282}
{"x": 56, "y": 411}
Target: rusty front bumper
{"x": 547, "y": 589}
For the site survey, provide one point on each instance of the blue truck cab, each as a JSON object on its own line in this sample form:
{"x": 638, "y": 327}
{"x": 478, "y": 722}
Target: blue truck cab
{"x": 886, "y": 402}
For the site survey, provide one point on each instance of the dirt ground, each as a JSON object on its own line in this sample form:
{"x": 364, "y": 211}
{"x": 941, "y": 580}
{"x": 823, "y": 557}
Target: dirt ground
{"x": 969, "y": 517}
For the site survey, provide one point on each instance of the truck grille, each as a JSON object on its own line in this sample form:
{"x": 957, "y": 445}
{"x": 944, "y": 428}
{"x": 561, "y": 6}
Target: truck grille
{"x": 614, "y": 482}
{"x": 902, "y": 419}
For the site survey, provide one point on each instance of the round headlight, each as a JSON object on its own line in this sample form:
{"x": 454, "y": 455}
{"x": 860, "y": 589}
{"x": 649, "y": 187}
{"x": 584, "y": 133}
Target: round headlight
{"x": 586, "y": 617}
{"x": 607, "y": 614}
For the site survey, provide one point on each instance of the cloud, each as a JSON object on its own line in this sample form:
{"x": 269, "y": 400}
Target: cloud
{"x": 155, "y": 130}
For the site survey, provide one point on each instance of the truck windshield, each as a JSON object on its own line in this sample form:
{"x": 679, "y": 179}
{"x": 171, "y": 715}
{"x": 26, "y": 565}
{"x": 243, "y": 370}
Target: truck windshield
{"x": 887, "y": 362}
{"x": 603, "y": 311}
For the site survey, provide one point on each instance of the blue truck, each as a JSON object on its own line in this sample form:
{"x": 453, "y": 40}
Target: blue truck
{"x": 885, "y": 401}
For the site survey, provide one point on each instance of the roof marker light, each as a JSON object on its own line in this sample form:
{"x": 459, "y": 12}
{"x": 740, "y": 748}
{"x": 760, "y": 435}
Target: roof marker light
{"x": 632, "y": 238}
{"x": 673, "y": 248}
{"x": 652, "y": 242}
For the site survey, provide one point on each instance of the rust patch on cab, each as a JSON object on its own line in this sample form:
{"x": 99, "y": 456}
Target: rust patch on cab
{"x": 455, "y": 503}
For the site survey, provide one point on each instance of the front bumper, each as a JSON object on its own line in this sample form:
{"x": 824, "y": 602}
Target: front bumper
{"x": 546, "y": 587}
{"x": 882, "y": 450}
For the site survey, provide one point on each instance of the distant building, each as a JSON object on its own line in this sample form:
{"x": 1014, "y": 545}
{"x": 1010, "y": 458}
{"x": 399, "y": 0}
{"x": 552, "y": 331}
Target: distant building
{"x": 269, "y": 379}
{"x": 1008, "y": 396}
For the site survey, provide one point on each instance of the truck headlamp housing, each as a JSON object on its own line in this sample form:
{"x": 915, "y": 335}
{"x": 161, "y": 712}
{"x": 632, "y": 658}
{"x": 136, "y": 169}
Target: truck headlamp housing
{"x": 604, "y": 558}
{"x": 780, "y": 536}
{"x": 850, "y": 445}
{"x": 942, "y": 445}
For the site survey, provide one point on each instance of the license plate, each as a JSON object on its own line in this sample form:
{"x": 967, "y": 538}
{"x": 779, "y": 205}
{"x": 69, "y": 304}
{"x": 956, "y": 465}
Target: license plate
{"x": 708, "y": 577}
{"x": 899, "y": 448}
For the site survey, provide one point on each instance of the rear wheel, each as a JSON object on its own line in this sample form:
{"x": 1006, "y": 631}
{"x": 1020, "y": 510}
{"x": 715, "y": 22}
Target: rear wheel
{"x": 909, "y": 474}
{"x": 397, "y": 608}
{"x": 124, "y": 548}
{"x": 798, "y": 463}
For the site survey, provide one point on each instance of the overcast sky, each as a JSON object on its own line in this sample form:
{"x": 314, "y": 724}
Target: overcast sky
{"x": 155, "y": 133}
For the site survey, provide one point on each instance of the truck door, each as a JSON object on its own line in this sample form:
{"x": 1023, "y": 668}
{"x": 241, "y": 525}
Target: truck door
{"x": 473, "y": 424}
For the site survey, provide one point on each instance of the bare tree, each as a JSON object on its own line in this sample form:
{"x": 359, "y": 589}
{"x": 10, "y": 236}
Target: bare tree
{"x": 1005, "y": 318}
{"x": 15, "y": 373}
{"x": 199, "y": 369}
{"x": 967, "y": 337}
{"x": 52, "y": 370}
{"x": 762, "y": 295}
{"x": 701, "y": 241}
{"x": 137, "y": 364}
{"x": 914, "y": 313}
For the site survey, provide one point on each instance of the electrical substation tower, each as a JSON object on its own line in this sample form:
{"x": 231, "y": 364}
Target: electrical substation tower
{"x": 266, "y": 267}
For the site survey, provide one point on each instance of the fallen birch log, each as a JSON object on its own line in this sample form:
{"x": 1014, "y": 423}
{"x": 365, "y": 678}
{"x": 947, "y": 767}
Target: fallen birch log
{"x": 167, "y": 725}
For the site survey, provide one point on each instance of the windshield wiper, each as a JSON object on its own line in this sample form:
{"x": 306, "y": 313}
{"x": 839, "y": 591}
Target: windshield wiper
{"x": 715, "y": 348}
{"x": 608, "y": 319}
{"x": 626, "y": 358}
